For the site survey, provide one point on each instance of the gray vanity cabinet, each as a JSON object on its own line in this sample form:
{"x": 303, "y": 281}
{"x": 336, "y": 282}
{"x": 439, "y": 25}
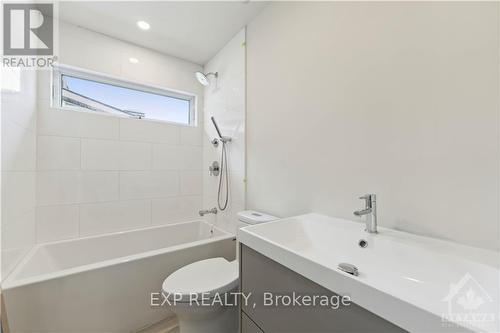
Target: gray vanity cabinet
{"x": 260, "y": 275}
{"x": 248, "y": 326}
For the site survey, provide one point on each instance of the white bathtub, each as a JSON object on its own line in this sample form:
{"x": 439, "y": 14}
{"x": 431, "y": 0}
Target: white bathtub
{"x": 103, "y": 283}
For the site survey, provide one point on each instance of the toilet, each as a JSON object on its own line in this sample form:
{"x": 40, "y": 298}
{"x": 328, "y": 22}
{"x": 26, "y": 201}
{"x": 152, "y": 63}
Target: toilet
{"x": 197, "y": 292}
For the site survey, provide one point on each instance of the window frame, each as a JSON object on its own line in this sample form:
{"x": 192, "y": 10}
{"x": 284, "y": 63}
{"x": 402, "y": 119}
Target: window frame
{"x": 56, "y": 84}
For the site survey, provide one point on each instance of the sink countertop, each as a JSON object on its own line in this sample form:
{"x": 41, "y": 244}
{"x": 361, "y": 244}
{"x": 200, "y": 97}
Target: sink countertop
{"x": 412, "y": 281}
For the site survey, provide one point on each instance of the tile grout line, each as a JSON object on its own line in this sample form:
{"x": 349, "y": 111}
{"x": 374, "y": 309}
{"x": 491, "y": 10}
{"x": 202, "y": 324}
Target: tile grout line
{"x": 183, "y": 196}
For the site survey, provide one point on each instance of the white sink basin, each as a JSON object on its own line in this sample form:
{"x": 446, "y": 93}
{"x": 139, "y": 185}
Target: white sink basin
{"x": 404, "y": 278}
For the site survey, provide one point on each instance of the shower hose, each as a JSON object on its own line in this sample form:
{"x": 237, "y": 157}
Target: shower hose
{"x": 223, "y": 180}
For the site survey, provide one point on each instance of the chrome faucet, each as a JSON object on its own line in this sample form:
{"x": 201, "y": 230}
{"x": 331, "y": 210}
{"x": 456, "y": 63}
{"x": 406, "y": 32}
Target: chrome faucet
{"x": 370, "y": 211}
{"x": 208, "y": 211}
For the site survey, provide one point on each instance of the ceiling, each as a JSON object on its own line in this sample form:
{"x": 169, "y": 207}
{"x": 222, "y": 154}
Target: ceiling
{"x": 194, "y": 31}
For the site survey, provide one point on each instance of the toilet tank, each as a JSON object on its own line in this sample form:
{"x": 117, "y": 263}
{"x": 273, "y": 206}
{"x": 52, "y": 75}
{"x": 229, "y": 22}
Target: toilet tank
{"x": 251, "y": 217}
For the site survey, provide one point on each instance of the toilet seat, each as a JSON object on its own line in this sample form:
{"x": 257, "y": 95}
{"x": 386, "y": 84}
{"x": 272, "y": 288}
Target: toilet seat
{"x": 206, "y": 278}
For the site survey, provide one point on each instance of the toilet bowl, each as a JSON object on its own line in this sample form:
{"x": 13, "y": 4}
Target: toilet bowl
{"x": 198, "y": 293}
{"x": 202, "y": 294}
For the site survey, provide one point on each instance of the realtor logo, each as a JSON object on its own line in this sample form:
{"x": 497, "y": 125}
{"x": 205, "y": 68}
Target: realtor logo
{"x": 468, "y": 303}
{"x": 28, "y": 29}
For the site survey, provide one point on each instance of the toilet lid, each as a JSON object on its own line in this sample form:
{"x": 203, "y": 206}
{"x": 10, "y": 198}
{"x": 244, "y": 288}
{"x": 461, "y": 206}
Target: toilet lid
{"x": 205, "y": 278}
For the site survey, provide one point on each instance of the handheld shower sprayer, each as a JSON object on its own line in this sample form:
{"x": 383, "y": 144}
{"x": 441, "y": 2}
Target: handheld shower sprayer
{"x": 223, "y": 175}
{"x": 223, "y": 139}
{"x": 216, "y": 127}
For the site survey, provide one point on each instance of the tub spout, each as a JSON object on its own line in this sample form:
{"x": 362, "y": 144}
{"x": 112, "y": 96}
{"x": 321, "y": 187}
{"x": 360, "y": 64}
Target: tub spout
{"x": 208, "y": 211}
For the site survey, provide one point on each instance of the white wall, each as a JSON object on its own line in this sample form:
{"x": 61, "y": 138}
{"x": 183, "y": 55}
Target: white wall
{"x": 398, "y": 99}
{"x": 225, "y": 100}
{"x": 18, "y": 109}
{"x": 99, "y": 174}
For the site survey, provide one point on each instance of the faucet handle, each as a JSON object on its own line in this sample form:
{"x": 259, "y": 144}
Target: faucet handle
{"x": 369, "y": 199}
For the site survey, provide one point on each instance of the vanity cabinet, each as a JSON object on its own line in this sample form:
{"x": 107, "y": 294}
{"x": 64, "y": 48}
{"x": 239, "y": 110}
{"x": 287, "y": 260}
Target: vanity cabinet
{"x": 248, "y": 326}
{"x": 259, "y": 275}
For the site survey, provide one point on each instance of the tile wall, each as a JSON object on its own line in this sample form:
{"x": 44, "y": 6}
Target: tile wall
{"x": 225, "y": 100}
{"x": 18, "y": 139}
{"x": 98, "y": 174}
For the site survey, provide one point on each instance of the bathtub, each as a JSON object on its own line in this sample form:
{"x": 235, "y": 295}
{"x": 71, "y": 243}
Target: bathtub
{"x": 103, "y": 283}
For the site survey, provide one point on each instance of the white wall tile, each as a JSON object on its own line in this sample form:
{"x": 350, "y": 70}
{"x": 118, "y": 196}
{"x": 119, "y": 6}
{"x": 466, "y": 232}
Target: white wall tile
{"x": 148, "y": 184}
{"x": 190, "y": 206}
{"x": 68, "y": 187}
{"x": 192, "y": 135}
{"x": 114, "y": 216}
{"x": 192, "y": 158}
{"x": 18, "y": 154}
{"x": 210, "y": 186}
{"x": 80, "y": 124}
{"x": 226, "y": 102}
{"x": 96, "y": 186}
{"x": 149, "y": 131}
{"x": 19, "y": 112}
{"x": 18, "y": 216}
{"x": 166, "y": 210}
{"x": 56, "y": 223}
{"x": 57, "y": 187}
{"x": 237, "y": 149}
{"x": 115, "y": 155}
{"x": 167, "y": 157}
{"x": 18, "y": 147}
{"x": 20, "y": 107}
{"x": 44, "y": 87}
{"x": 58, "y": 153}
{"x": 110, "y": 144}
{"x": 237, "y": 188}
{"x": 191, "y": 183}
{"x": 176, "y": 209}
{"x": 18, "y": 232}
{"x": 18, "y": 192}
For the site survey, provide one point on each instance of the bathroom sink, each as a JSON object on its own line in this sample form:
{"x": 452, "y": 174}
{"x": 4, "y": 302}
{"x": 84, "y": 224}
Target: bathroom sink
{"x": 421, "y": 284}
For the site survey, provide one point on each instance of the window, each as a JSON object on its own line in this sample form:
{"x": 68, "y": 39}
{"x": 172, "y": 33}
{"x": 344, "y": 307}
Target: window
{"x": 74, "y": 89}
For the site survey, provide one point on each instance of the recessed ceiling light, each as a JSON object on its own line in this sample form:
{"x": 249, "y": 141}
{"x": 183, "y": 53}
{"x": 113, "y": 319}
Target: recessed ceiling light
{"x": 133, "y": 60}
{"x": 143, "y": 25}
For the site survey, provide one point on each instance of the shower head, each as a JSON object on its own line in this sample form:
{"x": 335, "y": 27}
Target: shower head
{"x": 203, "y": 78}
